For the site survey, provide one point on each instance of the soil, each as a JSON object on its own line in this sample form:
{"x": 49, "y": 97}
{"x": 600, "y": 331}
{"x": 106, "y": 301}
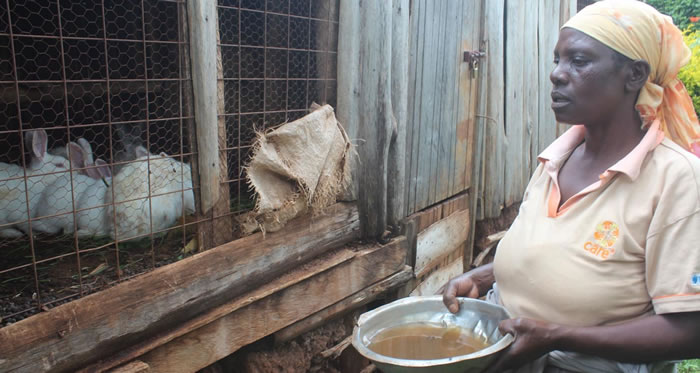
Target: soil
{"x": 300, "y": 355}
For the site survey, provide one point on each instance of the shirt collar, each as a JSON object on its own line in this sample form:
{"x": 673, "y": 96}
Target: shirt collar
{"x": 556, "y": 153}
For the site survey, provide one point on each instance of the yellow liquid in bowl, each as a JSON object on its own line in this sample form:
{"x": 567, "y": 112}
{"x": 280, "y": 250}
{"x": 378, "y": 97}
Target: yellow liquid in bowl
{"x": 423, "y": 341}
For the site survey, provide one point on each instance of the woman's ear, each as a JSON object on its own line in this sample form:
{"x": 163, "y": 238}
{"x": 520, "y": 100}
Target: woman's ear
{"x": 638, "y": 75}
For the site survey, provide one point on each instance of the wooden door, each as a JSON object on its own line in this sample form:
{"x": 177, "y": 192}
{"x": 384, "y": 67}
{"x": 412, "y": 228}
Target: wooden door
{"x": 442, "y": 100}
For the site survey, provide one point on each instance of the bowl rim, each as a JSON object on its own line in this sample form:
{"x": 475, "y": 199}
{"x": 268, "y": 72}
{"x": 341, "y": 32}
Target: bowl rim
{"x": 501, "y": 344}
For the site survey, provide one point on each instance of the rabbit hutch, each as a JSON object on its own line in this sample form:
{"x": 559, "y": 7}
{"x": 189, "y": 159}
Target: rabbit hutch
{"x": 227, "y": 184}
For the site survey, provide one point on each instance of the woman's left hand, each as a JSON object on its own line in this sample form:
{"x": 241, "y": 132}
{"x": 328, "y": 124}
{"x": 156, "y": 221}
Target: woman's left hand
{"x": 532, "y": 340}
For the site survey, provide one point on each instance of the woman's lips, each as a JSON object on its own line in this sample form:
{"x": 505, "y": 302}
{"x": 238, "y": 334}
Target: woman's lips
{"x": 559, "y": 101}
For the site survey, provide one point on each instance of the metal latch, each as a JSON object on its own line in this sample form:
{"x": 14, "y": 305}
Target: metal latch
{"x": 472, "y": 58}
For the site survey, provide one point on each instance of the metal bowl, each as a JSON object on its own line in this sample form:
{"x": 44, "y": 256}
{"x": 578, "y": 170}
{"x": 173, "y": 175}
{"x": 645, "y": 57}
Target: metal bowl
{"x": 480, "y": 317}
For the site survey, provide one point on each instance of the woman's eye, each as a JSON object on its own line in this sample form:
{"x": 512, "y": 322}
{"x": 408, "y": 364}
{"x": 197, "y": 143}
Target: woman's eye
{"x": 578, "y": 61}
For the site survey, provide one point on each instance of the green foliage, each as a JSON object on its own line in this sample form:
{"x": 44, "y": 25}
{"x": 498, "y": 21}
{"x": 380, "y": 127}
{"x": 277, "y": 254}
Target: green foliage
{"x": 690, "y": 74}
{"x": 679, "y": 10}
{"x": 689, "y": 366}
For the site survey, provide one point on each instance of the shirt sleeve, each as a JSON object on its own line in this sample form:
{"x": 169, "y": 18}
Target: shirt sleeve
{"x": 673, "y": 266}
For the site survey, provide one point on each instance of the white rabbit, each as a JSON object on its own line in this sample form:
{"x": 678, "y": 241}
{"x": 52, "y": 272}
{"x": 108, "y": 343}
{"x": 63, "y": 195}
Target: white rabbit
{"x": 95, "y": 213}
{"x": 75, "y": 191}
{"x": 89, "y": 167}
{"x": 170, "y": 187}
{"x": 15, "y": 195}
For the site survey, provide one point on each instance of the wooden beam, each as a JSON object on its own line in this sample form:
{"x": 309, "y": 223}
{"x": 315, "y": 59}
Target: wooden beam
{"x": 396, "y": 165}
{"x": 203, "y": 51}
{"x": 132, "y": 367}
{"x": 439, "y": 211}
{"x": 493, "y": 94}
{"x": 63, "y": 339}
{"x": 290, "y": 278}
{"x": 352, "y": 302}
{"x": 440, "y": 277}
{"x": 203, "y": 346}
{"x": 440, "y": 238}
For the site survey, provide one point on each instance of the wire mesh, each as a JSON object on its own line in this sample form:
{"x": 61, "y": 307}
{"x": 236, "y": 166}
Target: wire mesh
{"x": 107, "y": 194}
{"x": 278, "y": 57}
{"x": 116, "y": 74}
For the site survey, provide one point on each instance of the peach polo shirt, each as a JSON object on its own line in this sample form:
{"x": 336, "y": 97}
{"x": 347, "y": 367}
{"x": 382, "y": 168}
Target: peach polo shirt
{"x": 626, "y": 246}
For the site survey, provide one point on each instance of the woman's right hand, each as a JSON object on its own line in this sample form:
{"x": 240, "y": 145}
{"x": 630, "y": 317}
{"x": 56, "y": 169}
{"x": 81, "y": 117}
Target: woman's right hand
{"x": 472, "y": 284}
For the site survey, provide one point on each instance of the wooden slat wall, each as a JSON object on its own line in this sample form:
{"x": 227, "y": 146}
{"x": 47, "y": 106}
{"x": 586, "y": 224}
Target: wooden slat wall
{"x": 517, "y": 123}
{"x": 440, "y": 108}
{"x": 372, "y": 95}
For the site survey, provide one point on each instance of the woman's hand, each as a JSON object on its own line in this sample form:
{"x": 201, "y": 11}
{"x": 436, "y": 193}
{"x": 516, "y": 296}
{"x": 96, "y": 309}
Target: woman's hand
{"x": 472, "y": 284}
{"x": 532, "y": 340}
{"x": 460, "y": 286}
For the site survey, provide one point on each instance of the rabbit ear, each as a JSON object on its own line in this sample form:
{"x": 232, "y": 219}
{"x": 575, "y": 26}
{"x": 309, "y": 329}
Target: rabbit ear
{"x": 76, "y": 155}
{"x": 101, "y": 171}
{"x": 39, "y": 141}
{"x": 87, "y": 150}
{"x": 103, "y": 168}
{"x": 140, "y": 151}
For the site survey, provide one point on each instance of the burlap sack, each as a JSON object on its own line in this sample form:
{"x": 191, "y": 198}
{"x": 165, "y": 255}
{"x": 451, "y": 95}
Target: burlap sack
{"x": 300, "y": 166}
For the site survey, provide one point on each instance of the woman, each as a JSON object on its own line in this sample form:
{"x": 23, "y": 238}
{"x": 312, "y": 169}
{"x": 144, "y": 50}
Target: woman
{"x": 601, "y": 268}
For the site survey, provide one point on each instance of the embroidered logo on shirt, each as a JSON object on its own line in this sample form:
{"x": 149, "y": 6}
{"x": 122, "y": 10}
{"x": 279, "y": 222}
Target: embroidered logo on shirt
{"x": 604, "y": 238}
{"x": 695, "y": 279}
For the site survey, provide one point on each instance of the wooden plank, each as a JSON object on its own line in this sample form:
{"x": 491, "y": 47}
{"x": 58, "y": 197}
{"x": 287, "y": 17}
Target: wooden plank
{"x": 454, "y": 204}
{"x": 282, "y": 282}
{"x": 221, "y": 225}
{"x": 476, "y": 35}
{"x": 429, "y": 99}
{"x": 348, "y": 50}
{"x": 354, "y": 301}
{"x": 516, "y": 135}
{"x": 531, "y": 92}
{"x": 465, "y": 112}
{"x": 63, "y": 338}
{"x": 475, "y": 135}
{"x": 440, "y": 238}
{"x": 494, "y": 135}
{"x": 396, "y": 168}
{"x": 203, "y": 51}
{"x": 447, "y": 119}
{"x": 567, "y": 9}
{"x": 432, "y": 214}
{"x": 437, "y": 90}
{"x": 417, "y": 37}
{"x": 375, "y": 124}
{"x": 420, "y": 221}
{"x": 481, "y": 122}
{"x": 454, "y": 102}
{"x": 205, "y": 345}
{"x": 439, "y": 278}
{"x": 132, "y": 367}
{"x": 548, "y": 32}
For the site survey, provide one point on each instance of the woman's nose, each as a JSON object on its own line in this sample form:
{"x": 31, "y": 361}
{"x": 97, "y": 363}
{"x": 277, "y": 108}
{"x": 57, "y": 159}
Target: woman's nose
{"x": 557, "y": 76}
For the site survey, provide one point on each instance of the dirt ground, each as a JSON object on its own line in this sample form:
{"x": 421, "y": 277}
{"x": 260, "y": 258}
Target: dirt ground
{"x": 309, "y": 352}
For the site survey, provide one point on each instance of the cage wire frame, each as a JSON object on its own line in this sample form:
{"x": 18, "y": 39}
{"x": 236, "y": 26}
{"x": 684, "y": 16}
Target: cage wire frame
{"x": 311, "y": 32}
{"x": 28, "y": 71}
{"x": 270, "y": 60}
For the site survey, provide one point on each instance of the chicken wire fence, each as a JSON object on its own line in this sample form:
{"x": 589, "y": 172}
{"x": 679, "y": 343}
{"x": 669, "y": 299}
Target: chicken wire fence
{"x": 94, "y": 146}
{"x": 97, "y": 139}
{"x": 278, "y": 57}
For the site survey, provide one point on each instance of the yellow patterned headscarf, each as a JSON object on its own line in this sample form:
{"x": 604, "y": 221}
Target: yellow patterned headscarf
{"x": 640, "y": 32}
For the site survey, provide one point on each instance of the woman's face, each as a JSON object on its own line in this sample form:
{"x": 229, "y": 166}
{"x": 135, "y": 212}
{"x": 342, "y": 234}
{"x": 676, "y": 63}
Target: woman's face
{"x": 588, "y": 85}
